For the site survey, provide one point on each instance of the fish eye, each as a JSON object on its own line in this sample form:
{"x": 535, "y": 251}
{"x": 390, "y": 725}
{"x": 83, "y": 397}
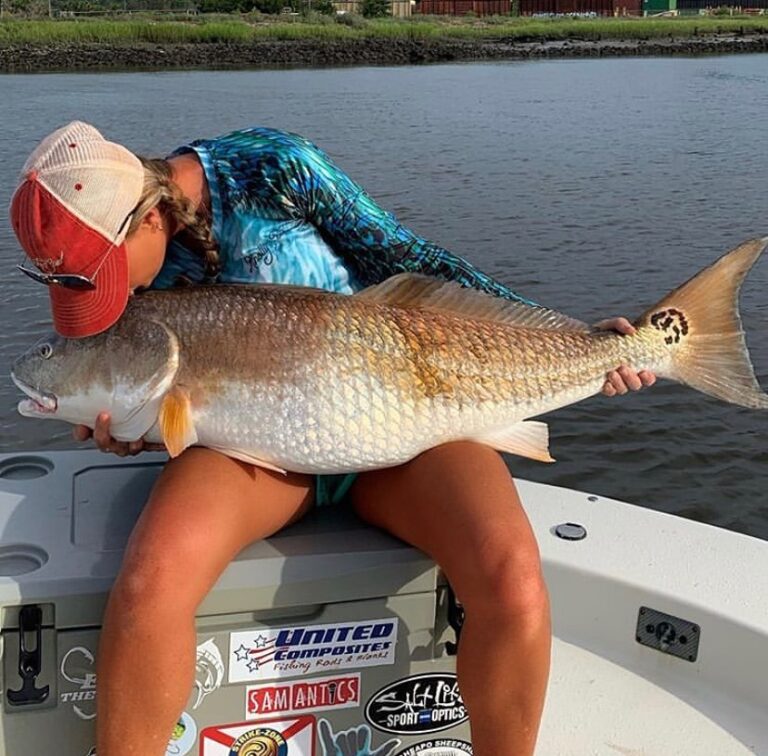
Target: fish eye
{"x": 46, "y": 350}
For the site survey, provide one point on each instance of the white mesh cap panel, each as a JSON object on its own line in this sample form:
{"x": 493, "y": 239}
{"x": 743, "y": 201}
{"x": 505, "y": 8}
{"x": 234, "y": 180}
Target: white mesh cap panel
{"x": 100, "y": 182}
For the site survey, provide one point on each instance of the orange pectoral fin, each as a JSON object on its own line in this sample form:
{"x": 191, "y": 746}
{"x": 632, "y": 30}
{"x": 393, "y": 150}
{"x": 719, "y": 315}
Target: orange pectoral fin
{"x": 175, "y": 421}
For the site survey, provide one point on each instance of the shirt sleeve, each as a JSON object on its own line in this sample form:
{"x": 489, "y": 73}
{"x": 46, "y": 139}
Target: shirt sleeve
{"x": 371, "y": 240}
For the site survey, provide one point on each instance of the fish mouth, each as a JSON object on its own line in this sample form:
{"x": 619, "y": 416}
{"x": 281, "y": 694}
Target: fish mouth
{"x": 39, "y": 402}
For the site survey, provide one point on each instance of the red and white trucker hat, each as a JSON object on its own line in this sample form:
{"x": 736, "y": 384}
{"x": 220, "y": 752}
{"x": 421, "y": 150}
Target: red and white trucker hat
{"x": 71, "y": 213}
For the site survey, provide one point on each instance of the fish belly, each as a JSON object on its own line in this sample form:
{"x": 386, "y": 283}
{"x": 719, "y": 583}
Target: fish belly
{"x": 336, "y": 421}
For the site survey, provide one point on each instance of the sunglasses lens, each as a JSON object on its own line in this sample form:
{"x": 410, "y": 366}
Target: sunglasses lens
{"x": 68, "y": 280}
{"x": 79, "y": 283}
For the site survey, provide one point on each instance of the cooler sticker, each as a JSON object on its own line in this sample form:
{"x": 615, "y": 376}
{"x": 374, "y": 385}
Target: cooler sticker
{"x": 183, "y": 736}
{"x": 305, "y": 650}
{"x": 418, "y": 704}
{"x": 290, "y": 736}
{"x": 438, "y": 748}
{"x": 356, "y": 741}
{"x": 209, "y": 670}
{"x": 77, "y": 668}
{"x": 322, "y": 693}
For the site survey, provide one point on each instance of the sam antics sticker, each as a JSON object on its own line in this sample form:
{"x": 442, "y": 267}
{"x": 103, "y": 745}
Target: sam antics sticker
{"x": 299, "y": 697}
{"x": 418, "y": 704}
{"x": 442, "y": 747}
{"x": 291, "y": 736}
{"x": 308, "y": 649}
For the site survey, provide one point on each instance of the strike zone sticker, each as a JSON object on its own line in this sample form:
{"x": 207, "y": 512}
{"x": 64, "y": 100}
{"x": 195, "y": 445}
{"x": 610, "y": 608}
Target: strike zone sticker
{"x": 286, "y": 737}
{"x": 324, "y": 693}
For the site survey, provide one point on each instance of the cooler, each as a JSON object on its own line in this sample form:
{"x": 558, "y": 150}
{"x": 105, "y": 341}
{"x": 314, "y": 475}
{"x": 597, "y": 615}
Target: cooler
{"x": 328, "y": 639}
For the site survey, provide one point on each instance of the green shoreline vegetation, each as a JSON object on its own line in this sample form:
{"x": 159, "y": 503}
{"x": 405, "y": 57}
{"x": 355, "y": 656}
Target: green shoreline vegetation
{"x": 218, "y": 29}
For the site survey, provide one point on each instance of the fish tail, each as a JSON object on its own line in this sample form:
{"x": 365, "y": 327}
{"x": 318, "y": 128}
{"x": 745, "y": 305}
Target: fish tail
{"x": 701, "y": 319}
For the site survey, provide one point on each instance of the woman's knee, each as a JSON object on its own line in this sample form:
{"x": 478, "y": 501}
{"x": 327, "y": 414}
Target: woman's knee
{"x": 503, "y": 581}
{"x": 462, "y": 508}
{"x": 155, "y": 583}
{"x": 167, "y": 566}
{"x": 202, "y": 511}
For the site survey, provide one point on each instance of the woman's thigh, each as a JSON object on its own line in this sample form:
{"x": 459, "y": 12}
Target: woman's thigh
{"x": 457, "y": 503}
{"x": 203, "y": 510}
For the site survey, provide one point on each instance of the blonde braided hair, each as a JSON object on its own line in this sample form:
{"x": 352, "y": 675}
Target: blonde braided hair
{"x": 160, "y": 190}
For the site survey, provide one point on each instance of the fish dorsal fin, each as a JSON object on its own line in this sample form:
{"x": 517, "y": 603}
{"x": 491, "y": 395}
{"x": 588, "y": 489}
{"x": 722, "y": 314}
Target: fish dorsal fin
{"x": 175, "y": 421}
{"x": 427, "y": 293}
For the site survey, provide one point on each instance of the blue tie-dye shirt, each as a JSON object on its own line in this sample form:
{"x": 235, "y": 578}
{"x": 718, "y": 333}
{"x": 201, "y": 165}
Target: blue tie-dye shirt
{"x": 282, "y": 212}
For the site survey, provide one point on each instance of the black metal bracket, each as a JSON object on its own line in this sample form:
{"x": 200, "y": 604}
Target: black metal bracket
{"x": 30, "y": 621}
{"x": 455, "y": 620}
{"x": 669, "y": 634}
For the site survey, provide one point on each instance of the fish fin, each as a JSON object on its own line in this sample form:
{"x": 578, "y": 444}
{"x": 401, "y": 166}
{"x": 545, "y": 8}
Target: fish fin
{"x": 245, "y": 456}
{"x": 529, "y": 438}
{"x": 427, "y": 293}
{"x": 700, "y": 322}
{"x": 175, "y": 421}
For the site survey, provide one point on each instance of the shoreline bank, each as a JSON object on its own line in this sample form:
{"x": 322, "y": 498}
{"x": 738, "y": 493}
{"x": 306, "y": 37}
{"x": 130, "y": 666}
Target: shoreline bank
{"x": 27, "y": 58}
{"x": 312, "y": 53}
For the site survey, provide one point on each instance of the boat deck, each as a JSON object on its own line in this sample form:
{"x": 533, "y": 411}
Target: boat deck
{"x": 597, "y": 708}
{"x": 610, "y": 694}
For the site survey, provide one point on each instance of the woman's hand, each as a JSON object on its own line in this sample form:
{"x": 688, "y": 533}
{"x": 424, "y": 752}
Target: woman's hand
{"x": 623, "y": 379}
{"x": 106, "y": 443}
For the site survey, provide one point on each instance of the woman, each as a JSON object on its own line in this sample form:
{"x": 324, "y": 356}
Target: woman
{"x": 263, "y": 205}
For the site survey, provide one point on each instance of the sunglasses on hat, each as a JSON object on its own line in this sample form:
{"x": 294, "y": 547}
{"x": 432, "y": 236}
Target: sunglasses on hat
{"x": 74, "y": 281}
{"x": 68, "y": 280}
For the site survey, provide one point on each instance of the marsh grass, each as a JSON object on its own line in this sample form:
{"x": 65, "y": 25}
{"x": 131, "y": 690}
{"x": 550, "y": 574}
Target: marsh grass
{"x": 236, "y": 30}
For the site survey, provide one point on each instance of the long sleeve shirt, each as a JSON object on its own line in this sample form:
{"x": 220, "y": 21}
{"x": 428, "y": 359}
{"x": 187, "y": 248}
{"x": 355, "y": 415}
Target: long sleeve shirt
{"x": 282, "y": 212}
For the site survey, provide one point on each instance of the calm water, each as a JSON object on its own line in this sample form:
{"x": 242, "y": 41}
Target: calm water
{"x": 590, "y": 186}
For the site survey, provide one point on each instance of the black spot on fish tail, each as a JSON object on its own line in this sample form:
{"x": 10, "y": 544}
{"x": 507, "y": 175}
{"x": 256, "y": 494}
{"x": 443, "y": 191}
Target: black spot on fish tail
{"x": 673, "y": 321}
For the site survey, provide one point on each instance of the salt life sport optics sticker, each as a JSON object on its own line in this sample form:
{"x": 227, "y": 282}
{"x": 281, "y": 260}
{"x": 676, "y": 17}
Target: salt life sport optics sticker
{"x": 308, "y": 649}
{"x": 417, "y": 704}
{"x": 302, "y": 696}
{"x": 291, "y": 736}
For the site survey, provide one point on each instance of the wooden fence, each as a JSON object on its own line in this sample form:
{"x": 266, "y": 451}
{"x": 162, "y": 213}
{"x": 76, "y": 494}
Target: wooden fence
{"x": 398, "y": 8}
{"x": 462, "y": 7}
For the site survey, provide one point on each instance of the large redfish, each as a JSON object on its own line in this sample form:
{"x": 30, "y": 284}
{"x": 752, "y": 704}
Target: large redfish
{"x": 306, "y": 380}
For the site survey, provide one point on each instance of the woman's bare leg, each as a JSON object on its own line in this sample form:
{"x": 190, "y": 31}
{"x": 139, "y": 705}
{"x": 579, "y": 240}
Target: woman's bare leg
{"x": 458, "y": 503}
{"x": 204, "y": 509}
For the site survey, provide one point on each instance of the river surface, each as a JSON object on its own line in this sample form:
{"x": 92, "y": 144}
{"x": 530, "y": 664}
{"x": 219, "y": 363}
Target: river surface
{"x": 592, "y": 187}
